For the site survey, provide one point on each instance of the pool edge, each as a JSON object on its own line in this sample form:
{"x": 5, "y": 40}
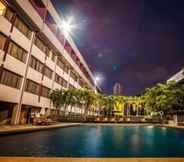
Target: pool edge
{"x": 48, "y": 159}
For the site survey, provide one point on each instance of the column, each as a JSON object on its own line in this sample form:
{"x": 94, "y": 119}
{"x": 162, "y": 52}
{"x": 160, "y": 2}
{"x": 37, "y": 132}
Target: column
{"x": 68, "y": 81}
{"x": 17, "y": 109}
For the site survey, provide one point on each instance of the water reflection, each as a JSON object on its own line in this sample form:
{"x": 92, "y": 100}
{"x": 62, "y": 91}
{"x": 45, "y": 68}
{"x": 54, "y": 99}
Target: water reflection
{"x": 96, "y": 141}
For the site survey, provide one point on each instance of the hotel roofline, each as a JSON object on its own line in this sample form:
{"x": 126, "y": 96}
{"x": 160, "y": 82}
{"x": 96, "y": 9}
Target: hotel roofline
{"x": 178, "y": 77}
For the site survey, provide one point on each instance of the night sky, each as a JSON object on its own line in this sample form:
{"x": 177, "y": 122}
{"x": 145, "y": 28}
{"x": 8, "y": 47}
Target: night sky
{"x": 137, "y": 43}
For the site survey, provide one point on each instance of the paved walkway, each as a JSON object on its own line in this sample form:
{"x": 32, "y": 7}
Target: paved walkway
{"x": 171, "y": 126}
{"x": 32, "y": 159}
{"x": 8, "y": 129}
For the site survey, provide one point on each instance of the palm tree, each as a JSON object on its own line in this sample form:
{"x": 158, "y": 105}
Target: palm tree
{"x": 88, "y": 100}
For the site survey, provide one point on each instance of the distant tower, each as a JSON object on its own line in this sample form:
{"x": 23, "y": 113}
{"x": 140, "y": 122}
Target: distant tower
{"x": 117, "y": 89}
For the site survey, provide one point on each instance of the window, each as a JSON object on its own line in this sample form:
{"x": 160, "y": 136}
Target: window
{"x": 62, "y": 63}
{"x": 10, "y": 79}
{"x": 17, "y": 52}
{"x": 45, "y": 92}
{"x": 53, "y": 57}
{"x": 39, "y": 7}
{"x": 66, "y": 68}
{"x": 36, "y": 64}
{"x": 74, "y": 76}
{"x": 2, "y": 41}
{"x": 81, "y": 83}
{"x": 64, "y": 83}
{"x": 6, "y": 12}
{"x": 22, "y": 27}
{"x": 48, "y": 72}
{"x": 40, "y": 44}
{"x": 60, "y": 37}
{"x": 9, "y": 14}
{"x": 51, "y": 23}
{"x": 32, "y": 87}
{"x": 58, "y": 79}
{"x": 2, "y": 9}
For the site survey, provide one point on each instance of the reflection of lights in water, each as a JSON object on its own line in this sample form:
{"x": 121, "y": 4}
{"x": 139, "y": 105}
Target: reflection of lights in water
{"x": 93, "y": 141}
{"x": 118, "y": 137}
{"x": 163, "y": 128}
{"x": 135, "y": 141}
{"x": 150, "y": 126}
{"x": 98, "y": 131}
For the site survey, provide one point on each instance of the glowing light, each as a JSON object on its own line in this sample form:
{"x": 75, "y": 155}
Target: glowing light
{"x": 98, "y": 78}
{"x": 67, "y": 26}
{"x": 2, "y": 8}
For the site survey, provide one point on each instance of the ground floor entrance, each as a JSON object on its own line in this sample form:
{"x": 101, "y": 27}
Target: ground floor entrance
{"x": 6, "y": 110}
{"x": 28, "y": 113}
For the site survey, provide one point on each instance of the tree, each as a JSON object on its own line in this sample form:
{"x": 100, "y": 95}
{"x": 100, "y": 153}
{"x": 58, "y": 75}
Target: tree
{"x": 88, "y": 98}
{"x": 165, "y": 97}
{"x": 58, "y": 98}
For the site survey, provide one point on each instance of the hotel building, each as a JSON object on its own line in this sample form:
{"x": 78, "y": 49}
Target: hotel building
{"x": 35, "y": 58}
{"x": 178, "y": 77}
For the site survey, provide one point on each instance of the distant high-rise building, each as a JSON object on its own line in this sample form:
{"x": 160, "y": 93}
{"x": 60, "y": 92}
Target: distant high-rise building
{"x": 117, "y": 89}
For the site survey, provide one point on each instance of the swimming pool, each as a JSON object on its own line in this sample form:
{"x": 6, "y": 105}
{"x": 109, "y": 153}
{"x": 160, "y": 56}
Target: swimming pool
{"x": 97, "y": 141}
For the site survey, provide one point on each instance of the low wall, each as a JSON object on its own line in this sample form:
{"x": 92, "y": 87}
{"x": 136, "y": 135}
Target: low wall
{"x": 93, "y": 119}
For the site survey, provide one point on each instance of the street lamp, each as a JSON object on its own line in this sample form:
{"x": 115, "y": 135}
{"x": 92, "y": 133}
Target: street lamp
{"x": 98, "y": 79}
{"x": 67, "y": 26}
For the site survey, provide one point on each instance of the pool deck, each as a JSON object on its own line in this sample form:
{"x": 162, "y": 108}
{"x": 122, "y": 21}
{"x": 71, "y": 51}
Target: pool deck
{"x": 32, "y": 159}
{"x": 8, "y": 129}
{"x": 172, "y": 126}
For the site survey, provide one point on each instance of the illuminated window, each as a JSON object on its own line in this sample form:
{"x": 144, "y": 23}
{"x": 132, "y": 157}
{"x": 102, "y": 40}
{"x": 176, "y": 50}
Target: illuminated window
{"x": 22, "y": 27}
{"x": 2, "y": 9}
{"x": 17, "y": 52}
{"x": 39, "y": 43}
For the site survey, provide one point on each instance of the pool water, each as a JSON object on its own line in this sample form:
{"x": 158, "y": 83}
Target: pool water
{"x": 97, "y": 141}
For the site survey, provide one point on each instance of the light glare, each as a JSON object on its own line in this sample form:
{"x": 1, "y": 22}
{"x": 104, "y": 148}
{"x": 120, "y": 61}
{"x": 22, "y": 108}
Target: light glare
{"x": 67, "y": 26}
{"x": 98, "y": 78}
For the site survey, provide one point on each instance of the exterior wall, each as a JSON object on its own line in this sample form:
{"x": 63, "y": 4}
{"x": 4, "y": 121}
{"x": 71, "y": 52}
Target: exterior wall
{"x": 48, "y": 33}
{"x": 20, "y": 96}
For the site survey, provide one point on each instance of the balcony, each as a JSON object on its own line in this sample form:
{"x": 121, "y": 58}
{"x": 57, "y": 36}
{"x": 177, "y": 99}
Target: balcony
{"x": 5, "y": 25}
{"x": 9, "y": 94}
{"x": 15, "y": 65}
{"x": 30, "y": 99}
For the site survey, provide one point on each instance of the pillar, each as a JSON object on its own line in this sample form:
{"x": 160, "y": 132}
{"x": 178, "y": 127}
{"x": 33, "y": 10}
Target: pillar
{"x": 15, "y": 115}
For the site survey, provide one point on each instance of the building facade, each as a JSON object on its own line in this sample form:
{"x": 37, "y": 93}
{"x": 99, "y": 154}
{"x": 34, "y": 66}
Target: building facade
{"x": 178, "y": 77}
{"x": 35, "y": 58}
